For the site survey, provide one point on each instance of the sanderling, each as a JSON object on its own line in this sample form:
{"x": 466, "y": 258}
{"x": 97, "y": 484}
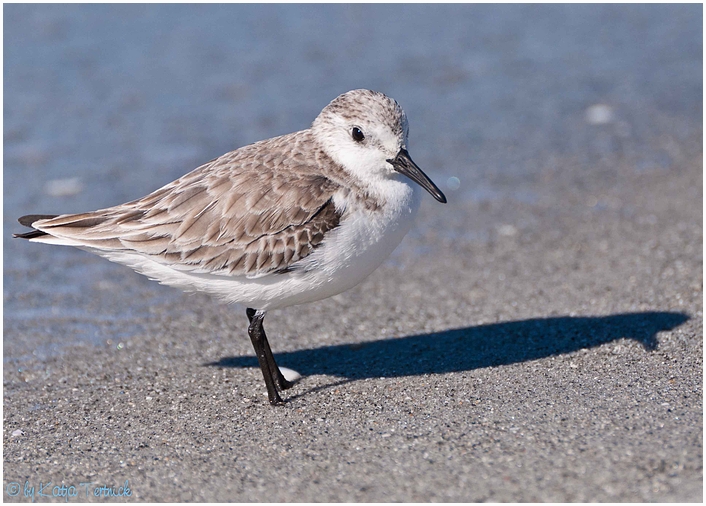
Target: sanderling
{"x": 284, "y": 221}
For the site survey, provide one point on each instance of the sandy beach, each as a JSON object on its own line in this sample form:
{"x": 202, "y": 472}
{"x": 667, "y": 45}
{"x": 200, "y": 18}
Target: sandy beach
{"x": 539, "y": 338}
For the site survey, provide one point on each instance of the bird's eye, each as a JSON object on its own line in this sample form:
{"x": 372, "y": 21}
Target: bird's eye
{"x": 357, "y": 134}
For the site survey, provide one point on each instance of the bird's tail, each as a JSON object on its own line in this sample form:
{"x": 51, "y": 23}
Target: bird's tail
{"x": 65, "y": 229}
{"x": 28, "y": 220}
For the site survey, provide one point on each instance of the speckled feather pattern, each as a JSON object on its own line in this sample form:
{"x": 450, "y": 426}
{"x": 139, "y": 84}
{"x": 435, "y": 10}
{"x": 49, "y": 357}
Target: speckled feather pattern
{"x": 252, "y": 211}
{"x": 388, "y": 111}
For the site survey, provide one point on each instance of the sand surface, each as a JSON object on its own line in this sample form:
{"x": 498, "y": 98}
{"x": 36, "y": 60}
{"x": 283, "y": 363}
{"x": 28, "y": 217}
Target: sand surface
{"x": 539, "y": 338}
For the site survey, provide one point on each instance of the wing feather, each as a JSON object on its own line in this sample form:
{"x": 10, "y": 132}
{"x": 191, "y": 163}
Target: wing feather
{"x": 250, "y": 212}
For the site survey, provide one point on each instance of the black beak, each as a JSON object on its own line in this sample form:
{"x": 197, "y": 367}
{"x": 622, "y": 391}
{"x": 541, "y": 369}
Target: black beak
{"x": 404, "y": 165}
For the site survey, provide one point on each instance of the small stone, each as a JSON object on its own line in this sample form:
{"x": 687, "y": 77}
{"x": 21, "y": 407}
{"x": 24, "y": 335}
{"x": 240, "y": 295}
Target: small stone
{"x": 599, "y": 114}
{"x": 63, "y": 187}
{"x": 453, "y": 183}
{"x": 290, "y": 374}
{"x": 507, "y": 230}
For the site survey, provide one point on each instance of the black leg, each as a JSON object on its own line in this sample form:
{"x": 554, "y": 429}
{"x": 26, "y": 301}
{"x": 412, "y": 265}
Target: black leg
{"x": 269, "y": 368}
{"x": 277, "y": 377}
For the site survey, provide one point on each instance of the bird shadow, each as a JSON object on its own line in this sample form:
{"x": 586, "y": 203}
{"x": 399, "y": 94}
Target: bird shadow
{"x": 470, "y": 348}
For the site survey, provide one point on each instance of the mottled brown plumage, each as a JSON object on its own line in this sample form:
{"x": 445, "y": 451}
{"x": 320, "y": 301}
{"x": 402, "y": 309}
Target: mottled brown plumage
{"x": 249, "y": 212}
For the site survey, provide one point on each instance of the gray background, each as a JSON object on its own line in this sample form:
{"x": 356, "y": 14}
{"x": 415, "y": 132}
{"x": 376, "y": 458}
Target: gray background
{"x": 539, "y": 338}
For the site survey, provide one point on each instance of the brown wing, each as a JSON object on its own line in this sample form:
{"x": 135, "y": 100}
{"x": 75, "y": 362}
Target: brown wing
{"x": 253, "y": 211}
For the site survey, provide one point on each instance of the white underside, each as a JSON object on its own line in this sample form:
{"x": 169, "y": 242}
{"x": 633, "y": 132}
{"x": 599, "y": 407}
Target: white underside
{"x": 348, "y": 254}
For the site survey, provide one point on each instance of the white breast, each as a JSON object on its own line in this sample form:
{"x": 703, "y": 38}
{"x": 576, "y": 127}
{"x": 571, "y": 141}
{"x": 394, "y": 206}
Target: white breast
{"x": 350, "y": 252}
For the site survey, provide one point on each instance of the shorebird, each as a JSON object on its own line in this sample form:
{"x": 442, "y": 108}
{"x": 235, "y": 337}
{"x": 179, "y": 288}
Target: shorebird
{"x": 283, "y": 221}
